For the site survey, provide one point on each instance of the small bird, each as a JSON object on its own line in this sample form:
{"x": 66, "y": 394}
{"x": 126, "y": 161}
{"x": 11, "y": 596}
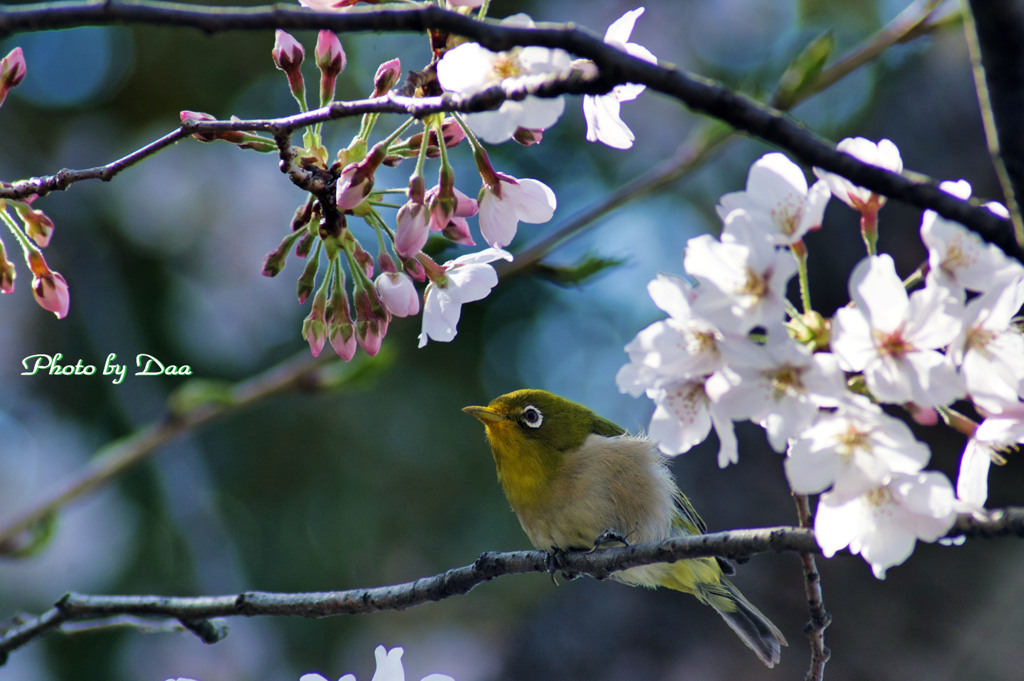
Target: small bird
{"x": 577, "y": 481}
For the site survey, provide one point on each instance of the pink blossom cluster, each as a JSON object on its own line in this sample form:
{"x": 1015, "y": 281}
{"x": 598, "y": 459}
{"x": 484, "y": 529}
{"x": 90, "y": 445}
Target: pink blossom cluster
{"x": 30, "y": 227}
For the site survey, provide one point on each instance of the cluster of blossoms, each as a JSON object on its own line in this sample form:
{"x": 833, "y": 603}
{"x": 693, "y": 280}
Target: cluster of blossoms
{"x": 389, "y": 668}
{"x": 385, "y": 286}
{"x": 733, "y": 348}
{"x": 357, "y": 295}
{"x": 31, "y": 228}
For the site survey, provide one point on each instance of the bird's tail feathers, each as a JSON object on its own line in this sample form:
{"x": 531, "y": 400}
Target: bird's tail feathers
{"x": 749, "y": 623}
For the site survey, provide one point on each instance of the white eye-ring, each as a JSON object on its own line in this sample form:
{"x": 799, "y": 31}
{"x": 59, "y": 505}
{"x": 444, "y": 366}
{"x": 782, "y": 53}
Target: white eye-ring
{"x": 532, "y": 416}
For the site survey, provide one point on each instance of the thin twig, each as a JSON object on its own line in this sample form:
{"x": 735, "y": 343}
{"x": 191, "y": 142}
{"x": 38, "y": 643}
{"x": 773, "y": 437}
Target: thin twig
{"x": 820, "y": 617}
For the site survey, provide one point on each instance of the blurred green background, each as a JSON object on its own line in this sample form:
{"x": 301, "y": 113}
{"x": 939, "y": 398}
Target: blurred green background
{"x": 385, "y": 480}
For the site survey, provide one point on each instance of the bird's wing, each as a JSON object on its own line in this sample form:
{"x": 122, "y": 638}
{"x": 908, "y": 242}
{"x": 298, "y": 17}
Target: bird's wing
{"x": 687, "y": 521}
{"x": 602, "y": 426}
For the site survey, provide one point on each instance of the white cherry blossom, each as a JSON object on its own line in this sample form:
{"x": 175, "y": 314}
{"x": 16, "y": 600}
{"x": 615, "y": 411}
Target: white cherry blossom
{"x": 781, "y": 386}
{"x": 996, "y": 435}
{"x": 990, "y": 348}
{"x": 602, "y": 111}
{"x": 884, "y": 524}
{"x": 884, "y": 154}
{"x": 512, "y": 201}
{"x": 895, "y": 338}
{"x": 389, "y": 668}
{"x": 470, "y": 68}
{"x": 778, "y": 200}
{"x": 681, "y": 347}
{"x": 958, "y": 258}
{"x": 852, "y": 450}
{"x": 468, "y": 278}
{"x": 684, "y": 416}
{"x": 746, "y": 275}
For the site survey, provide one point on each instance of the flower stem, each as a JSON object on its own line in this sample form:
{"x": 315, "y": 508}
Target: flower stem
{"x": 799, "y": 250}
{"x": 869, "y": 230}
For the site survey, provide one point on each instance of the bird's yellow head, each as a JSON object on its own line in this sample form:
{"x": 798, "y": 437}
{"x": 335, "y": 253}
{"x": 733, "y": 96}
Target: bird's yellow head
{"x": 530, "y": 432}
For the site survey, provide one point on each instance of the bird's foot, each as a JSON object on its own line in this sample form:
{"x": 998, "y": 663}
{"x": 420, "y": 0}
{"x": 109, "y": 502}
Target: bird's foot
{"x": 554, "y": 565}
{"x": 608, "y": 537}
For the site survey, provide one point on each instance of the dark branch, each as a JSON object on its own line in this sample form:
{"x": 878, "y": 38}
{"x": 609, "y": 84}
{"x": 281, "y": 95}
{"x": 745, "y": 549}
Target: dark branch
{"x": 195, "y": 613}
{"x": 820, "y": 617}
{"x": 998, "y": 41}
{"x": 699, "y": 94}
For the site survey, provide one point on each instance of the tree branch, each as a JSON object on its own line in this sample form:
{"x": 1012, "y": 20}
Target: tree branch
{"x": 995, "y": 36}
{"x": 196, "y": 613}
{"x": 820, "y": 617}
{"x": 699, "y": 94}
{"x": 916, "y": 20}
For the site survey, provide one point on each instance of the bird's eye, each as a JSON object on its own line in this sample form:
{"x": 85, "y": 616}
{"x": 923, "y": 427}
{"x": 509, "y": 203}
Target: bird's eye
{"x": 531, "y": 416}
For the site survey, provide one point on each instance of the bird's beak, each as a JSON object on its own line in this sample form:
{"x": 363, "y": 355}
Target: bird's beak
{"x": 484, "y": 414}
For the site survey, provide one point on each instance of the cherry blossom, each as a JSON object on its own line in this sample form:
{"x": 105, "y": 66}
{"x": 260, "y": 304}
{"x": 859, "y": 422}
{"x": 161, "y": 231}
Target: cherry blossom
{"x": 466, "y": 279}
{"x": 990, "y": 347}
{"x": 684, "y": 416}
{"x": 957, "y": 258}
{"x": 508, "y": 202}
{"x": 884, "y": 154}
{"x": 884, "y": 524}
{"x": 389, "y": 668}
{"x": 778, "y": 200}
{"x": 682, "y": 346}
{"x": 894, "y": 338}
{"x": 996, "y": 435}
{"x": 781, "y": 386}
{"x": 470, "y": 68}
{"x": 602, "y": 111}
{"x": 746, "y": 275}
{"x": 852, "y": 450}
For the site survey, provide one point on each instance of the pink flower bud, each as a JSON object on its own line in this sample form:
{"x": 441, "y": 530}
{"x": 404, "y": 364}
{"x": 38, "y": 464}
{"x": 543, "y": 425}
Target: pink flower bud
{"x": 233, "y": 136}
{"x": 398, "y": 293}
{"x": 364, "y": 259}
{"x": 343, "y": 336}
{"x": 414, "y": 269}
{"x": 12, "y": 71}
{"x": 385, "y": 263}
{"x": 314, "y": 327}
{"x": 330, "y": 57}
{"x": 412, "y": 232}
{"x": 527, "y": 137}
{"x": 7, "y": 272}
{"x": 288, "y": 55}
{"x": 372, "y": 320}
{"x": 452, "y": 132}
{"x": 38, "y": 226}
{"x": 387, "y": 75}
{"x": 457, "y": 230}
{"x": 49, "y": 287}
{"x": 356, "y": 180}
